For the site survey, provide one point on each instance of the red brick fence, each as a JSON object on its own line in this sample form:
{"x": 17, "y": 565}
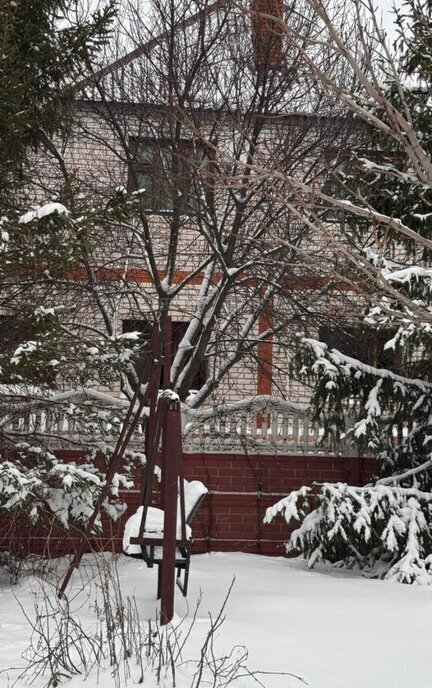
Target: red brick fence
{"x": 241, "y": 487}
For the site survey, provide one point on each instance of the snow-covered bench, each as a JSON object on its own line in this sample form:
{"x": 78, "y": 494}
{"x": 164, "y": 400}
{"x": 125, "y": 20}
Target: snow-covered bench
{"x": 150, "y": 547}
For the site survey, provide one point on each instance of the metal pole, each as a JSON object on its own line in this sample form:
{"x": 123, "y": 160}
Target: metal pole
{"x": 168, "y": 351}
{"x": 172, "y": 452}
{"x": 166, "y": 330}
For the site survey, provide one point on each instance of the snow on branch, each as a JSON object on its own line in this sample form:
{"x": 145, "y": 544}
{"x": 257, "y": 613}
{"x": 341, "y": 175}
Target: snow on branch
{"x": 260, "y": 402}
{"x": 391, "y": 411}
{"x": 385, "y": 531}
{"x": 335, "y": 362}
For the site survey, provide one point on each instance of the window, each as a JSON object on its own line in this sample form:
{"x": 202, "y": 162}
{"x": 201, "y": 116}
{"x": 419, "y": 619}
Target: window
{"x": 178, "y": 330}
{"x": 16, "y": 332}
{"x": 363, "y": 343}
{"x": 163, "y": 172}
{"x": 145, "y": 330}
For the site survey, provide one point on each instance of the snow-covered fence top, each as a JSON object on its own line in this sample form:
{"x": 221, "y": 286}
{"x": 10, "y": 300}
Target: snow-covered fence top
{"x": 263, "y": 423}
{"x": 62, "y": 420}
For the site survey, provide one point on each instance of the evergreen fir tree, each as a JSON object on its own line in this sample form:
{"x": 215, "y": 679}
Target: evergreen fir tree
{"x": 389, "y": 402}
{"x": 46, "y": 49}
{"x": 387, "y": 527}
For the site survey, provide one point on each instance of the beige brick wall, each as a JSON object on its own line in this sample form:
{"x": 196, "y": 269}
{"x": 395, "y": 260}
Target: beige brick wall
{"x": 95, "y": 153}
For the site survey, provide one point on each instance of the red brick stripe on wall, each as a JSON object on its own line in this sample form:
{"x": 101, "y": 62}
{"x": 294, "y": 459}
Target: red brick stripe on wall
{"x": 265, "y": 353}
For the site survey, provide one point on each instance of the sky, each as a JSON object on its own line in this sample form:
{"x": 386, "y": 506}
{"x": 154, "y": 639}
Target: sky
{"x": 385, "y": 7}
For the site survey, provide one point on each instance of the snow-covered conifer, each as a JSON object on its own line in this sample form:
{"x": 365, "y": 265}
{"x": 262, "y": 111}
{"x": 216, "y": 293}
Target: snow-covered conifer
{"x": 385, "y": 194}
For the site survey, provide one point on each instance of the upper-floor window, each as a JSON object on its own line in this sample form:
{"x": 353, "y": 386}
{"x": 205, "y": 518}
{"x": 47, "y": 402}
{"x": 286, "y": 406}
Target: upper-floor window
{"x": 163, "y": 171}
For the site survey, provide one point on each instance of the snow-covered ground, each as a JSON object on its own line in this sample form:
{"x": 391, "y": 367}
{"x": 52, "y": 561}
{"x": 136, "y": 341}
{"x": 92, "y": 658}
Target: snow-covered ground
{"x": 334, "y": 630}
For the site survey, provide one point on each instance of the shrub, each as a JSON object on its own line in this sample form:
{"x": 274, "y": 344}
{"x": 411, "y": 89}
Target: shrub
{"x": 386, "y": 531}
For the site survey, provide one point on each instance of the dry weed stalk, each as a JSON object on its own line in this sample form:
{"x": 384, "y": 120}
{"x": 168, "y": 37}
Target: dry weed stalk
{"x": 62, "y": 646}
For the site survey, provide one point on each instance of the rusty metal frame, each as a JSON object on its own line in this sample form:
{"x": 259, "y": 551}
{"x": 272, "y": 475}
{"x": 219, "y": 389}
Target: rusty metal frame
{"x": 164, "y": 424}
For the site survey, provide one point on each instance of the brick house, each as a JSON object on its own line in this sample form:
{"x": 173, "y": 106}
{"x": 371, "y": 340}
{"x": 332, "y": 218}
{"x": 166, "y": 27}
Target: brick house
{"x": 194, "y": 120}
{"x": 212, "y": 243}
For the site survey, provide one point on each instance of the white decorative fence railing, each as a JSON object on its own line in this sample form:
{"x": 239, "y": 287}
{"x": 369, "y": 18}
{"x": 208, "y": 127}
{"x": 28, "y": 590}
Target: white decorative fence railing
{"x": 269, "y": 425}
{"x": 261, "y": 424}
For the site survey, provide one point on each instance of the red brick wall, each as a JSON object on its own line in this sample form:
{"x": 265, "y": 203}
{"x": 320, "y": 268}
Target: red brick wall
{"x": 240, "y": 489}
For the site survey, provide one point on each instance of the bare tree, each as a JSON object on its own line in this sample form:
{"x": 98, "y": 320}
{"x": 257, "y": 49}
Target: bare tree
{"x": 206, "y": 97}
{"x": 389, "y": 144}
{"x": 164, "y": 211}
